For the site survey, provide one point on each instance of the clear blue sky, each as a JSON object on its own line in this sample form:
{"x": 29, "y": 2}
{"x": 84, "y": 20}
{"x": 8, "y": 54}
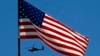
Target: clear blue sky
{"x": 81, "y": 15}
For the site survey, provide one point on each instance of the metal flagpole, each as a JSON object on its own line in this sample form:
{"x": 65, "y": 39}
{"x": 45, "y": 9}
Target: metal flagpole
{"x": 19, "y": 53}
{"x": 19, "y": 47}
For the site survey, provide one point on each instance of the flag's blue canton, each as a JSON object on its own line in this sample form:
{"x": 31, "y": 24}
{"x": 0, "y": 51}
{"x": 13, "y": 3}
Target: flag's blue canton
{"x": 26, "y": 10}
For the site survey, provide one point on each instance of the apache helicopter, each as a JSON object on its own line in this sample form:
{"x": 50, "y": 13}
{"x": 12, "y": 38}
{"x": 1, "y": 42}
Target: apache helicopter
{"x": 32, "y": 49}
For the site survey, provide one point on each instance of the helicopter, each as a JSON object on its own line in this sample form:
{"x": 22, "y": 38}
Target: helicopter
{"x": 32, "y": 49}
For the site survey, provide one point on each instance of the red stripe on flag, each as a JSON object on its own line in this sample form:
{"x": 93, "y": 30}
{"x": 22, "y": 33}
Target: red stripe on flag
{"x": 28, "y": 36}
{"x": 27, "y": 30}
{"x": 25, "y": 23}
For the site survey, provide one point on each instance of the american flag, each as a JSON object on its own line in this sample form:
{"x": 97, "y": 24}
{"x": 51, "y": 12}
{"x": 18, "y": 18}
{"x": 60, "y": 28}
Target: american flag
{"x": 33, "y": 23}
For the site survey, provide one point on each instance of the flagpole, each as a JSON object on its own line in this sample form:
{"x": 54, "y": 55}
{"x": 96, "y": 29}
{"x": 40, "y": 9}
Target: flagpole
{"x": 19, "y": 47}
{"x": 19, "y": 53}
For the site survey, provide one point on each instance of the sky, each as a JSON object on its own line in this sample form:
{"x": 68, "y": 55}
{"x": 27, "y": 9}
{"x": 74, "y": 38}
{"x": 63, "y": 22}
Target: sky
{"x": 81, "y": 15}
